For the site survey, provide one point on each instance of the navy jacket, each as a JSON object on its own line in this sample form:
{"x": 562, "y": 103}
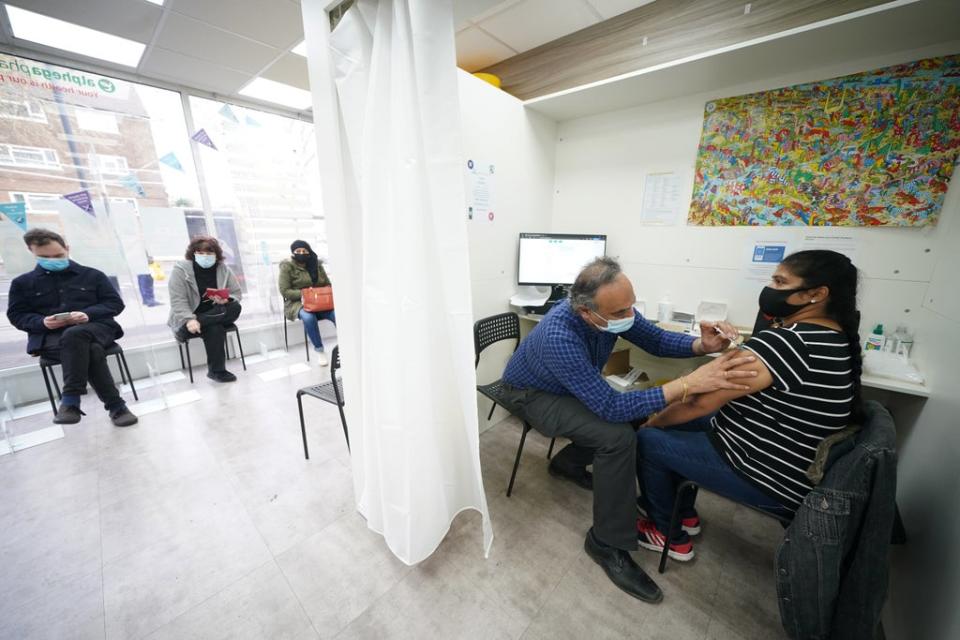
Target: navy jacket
{"x": 40, "y": 293}
{"x": 832, "y": 566}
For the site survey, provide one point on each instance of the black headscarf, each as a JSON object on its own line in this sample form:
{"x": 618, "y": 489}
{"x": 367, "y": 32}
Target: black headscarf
{"x": 310, "y": 261}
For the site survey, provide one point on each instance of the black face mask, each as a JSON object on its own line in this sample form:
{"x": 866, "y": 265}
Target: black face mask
{"x": 773, "y": 302}
{"x": 301, "y": 257}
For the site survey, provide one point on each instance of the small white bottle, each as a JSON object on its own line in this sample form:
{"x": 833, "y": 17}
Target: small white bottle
{"x": 665, "y": 309}
{"x": 904, "y": 340}
{"x": 875, "y": 340}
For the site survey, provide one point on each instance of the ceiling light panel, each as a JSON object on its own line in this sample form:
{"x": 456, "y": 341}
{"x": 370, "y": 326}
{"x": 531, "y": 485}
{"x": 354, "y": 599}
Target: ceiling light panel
{"x": 66, "y": 36}
{"x": 278, "y": 93}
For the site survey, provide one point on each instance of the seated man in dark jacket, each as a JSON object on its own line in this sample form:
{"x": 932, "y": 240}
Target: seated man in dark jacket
{"x": 67, "y": 311}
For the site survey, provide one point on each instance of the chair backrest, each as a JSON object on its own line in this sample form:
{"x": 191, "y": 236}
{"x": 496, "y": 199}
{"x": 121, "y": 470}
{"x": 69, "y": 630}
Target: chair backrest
{"x": 334, "y": 365}
{"x": 487, "y": 331}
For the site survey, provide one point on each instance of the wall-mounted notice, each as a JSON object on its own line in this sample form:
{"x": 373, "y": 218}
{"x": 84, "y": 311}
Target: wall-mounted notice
{"x": 662, "y": 198}
{"x": 480, "y": 190}
{"x": 847, "y": 245}
{"x": 764, "y": 258}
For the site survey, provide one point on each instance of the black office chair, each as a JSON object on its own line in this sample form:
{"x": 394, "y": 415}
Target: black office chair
{"x": 331, "y": 392}
{"x": 286, "y": 341}
{"x": 184, "y": 345}
{"x": 47, "y": 364}
{"x": 488, "y": 331}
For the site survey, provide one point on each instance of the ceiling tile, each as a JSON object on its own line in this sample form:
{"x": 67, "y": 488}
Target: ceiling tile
{"x": 199, "y": 40}
{"x": 129, "y": 19}
{"x": 476, "y": 50}
{"x": 611, "y": 8}
{"x": 191, "y": 72}
{"x": 466, "y": 10}
{"x": 290, "y": 69}
{"x": 278, "y": 23}
{"x": 532, "y": 23}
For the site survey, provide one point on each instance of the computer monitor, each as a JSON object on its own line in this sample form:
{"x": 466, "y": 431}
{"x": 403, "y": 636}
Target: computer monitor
{"x": 556, "y": 258}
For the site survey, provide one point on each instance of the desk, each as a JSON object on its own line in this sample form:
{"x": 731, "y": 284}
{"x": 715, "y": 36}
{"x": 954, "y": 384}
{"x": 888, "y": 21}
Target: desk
{"x": 658, "y": 368}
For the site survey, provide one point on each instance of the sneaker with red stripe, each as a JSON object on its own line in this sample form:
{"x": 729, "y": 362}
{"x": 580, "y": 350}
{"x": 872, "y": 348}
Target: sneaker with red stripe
{"x": 689, "y": 522}
{"x": 649, "y": 537}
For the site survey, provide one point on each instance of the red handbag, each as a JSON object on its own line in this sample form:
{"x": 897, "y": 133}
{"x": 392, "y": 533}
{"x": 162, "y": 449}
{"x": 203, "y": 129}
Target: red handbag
{"x": 316, "y": 299}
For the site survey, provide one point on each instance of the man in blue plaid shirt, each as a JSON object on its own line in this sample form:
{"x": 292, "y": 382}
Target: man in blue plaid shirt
{"x": 554, "y": 381}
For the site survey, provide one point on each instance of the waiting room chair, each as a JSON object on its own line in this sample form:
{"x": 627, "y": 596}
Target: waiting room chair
{"x": 185, "y": 346}
{"x": 47, "y": 364}
{"x": 331, "y": 392}
{"x": 488, "y": 331}
{"x": 286, "y": 341}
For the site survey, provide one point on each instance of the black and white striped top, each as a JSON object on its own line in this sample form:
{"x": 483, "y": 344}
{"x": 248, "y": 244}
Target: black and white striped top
{"x": 771, "y": 437}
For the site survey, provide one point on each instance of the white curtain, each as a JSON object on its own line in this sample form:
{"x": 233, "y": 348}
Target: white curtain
{"x": 387, "y": 119}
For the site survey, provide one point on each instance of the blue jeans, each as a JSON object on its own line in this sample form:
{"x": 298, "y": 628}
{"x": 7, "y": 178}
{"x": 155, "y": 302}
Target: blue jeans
{"x": 311, "y": 321}
{"x": 667, "y": 457}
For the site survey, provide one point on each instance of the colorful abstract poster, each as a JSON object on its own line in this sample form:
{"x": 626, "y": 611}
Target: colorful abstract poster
{"x": 870, "y": 149}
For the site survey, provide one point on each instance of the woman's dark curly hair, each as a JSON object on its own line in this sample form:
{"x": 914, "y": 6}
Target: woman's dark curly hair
{"x": 204, "y": 244}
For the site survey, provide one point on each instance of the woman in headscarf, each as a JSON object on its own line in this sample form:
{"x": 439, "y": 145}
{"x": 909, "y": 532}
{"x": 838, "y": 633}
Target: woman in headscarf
{"x": 301, "y": 271}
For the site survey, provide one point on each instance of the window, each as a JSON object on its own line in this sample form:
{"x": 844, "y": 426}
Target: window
{"x": 22, "y": 110}
{"x": 33, "y": 157}
{"x": 92, "y": 120}
{"x": 112, "y": 165}
{"x": 37, "y": 202}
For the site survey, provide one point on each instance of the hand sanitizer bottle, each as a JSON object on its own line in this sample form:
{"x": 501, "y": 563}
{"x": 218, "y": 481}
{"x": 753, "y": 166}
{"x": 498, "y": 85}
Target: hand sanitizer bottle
{"x": 875, "y": 341}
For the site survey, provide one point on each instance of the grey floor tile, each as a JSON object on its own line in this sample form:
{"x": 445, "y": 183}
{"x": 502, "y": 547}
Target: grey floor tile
{"x": 340, "y": 572}
{"x": 67, "y": 610}
{"x": 147, "y": 589}
{"x": 258, "y": 606}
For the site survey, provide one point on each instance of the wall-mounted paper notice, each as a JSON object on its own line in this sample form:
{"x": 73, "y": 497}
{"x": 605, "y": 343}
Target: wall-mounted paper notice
{"x": 845, "y": 244}
{"x": 480, "y": 190}
{"x": 764, "y": 258}
{"x": 662, "y": 198}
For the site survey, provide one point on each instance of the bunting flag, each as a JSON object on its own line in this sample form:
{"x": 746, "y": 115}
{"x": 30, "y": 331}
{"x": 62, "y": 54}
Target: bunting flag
{"x": 82, "y": 199}
{"x": 17, "y": 212}
{"x": 202, "y": 137}
{"x": 251, "y": 122}
{"x": 171, "y": 161}
{"x": 227, "y": 113}
{"x": 131, "y": 182}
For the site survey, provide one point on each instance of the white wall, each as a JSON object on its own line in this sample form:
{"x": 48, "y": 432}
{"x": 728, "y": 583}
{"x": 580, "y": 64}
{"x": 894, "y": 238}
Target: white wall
{"x": 601, "y": 162}
{"x": 498, "y": 130}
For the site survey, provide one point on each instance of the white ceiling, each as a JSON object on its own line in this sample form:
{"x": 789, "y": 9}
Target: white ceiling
{"x": 218, "y": 46}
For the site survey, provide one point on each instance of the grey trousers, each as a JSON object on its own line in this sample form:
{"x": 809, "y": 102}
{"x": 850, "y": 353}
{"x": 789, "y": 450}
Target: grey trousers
{"x": 612, "y": 448}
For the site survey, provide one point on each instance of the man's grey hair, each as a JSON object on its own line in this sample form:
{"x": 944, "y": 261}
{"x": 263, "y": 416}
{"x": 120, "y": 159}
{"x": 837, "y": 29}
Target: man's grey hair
{"x": 593, "y": 276}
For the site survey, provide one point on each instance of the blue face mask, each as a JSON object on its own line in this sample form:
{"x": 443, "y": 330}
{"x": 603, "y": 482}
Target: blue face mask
{"x": 615, "y": 326}
{"x": 205, "y": 262}
{"x": 53, "y": 264}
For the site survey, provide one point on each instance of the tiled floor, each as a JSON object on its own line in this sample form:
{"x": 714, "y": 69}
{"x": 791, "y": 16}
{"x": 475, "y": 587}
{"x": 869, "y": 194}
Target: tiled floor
{"x": 204, "y": 521}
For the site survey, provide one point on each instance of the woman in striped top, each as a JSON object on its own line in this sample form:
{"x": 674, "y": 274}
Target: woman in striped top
{"x": 755, "y": 446}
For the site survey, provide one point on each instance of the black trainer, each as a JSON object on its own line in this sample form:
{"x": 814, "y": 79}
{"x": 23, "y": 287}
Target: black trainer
{"x": 622, "y": 570}
{"x": 580, "y": 477}
{"x": 122, "y": 417}
{"x": 221, "y": 376}
{"x": 68, "y": 414}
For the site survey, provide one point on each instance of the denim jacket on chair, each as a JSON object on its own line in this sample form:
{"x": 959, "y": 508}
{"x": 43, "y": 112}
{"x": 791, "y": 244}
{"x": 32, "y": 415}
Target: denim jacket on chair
{"x": 832, "y": 566}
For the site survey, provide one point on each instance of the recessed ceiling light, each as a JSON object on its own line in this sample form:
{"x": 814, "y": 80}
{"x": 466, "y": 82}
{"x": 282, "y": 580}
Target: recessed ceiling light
{"x": 300, "y": 49}
{"x": 160, "y": 2}
{"x": 67, "y": 36}
{"x": 277, "y": 92}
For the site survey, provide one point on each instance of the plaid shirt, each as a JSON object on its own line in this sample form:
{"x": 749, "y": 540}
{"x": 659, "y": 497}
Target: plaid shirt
{"x": 564, "y": 355}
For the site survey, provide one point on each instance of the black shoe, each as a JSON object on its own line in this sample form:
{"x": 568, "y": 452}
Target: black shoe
{"x": 68, "y": 414}
{"x": 622, "y": 570}
{"x": 122, "y": 417}
{"x": 221, "y": 376}
{"x": 580, "y": 477}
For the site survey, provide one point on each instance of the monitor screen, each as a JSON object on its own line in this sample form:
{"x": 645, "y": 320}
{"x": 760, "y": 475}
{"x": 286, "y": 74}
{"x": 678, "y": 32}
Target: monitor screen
{"x": 556, "y": 258}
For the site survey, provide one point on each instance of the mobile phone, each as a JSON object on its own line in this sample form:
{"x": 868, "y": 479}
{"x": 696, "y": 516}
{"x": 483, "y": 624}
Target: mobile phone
{"x": 61, "y": 316}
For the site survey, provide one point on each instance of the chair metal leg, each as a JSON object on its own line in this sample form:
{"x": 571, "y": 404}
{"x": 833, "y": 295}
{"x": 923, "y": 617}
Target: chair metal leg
{"x": 122, "y": 362}
{"x": 123, "y": 375}
{"x": 674, "y": 521}
{"x": 226, "y": 345}
{"x": 516, "y": 463}
{"x": 243, "y": 360}
{"x": 183, "y": 365}
{"x": 492, "y": 407}
{"x": 306, "y": 343}
{"x": 56, "y": 385}
{"x": 343, "y": 421}
{"x": 46, "y": 382}
{"x": 286, "y": 341}
{"x": 303, "y": 426}
{"x": 186, "y": 348}
{"x": 550, "y": 450}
